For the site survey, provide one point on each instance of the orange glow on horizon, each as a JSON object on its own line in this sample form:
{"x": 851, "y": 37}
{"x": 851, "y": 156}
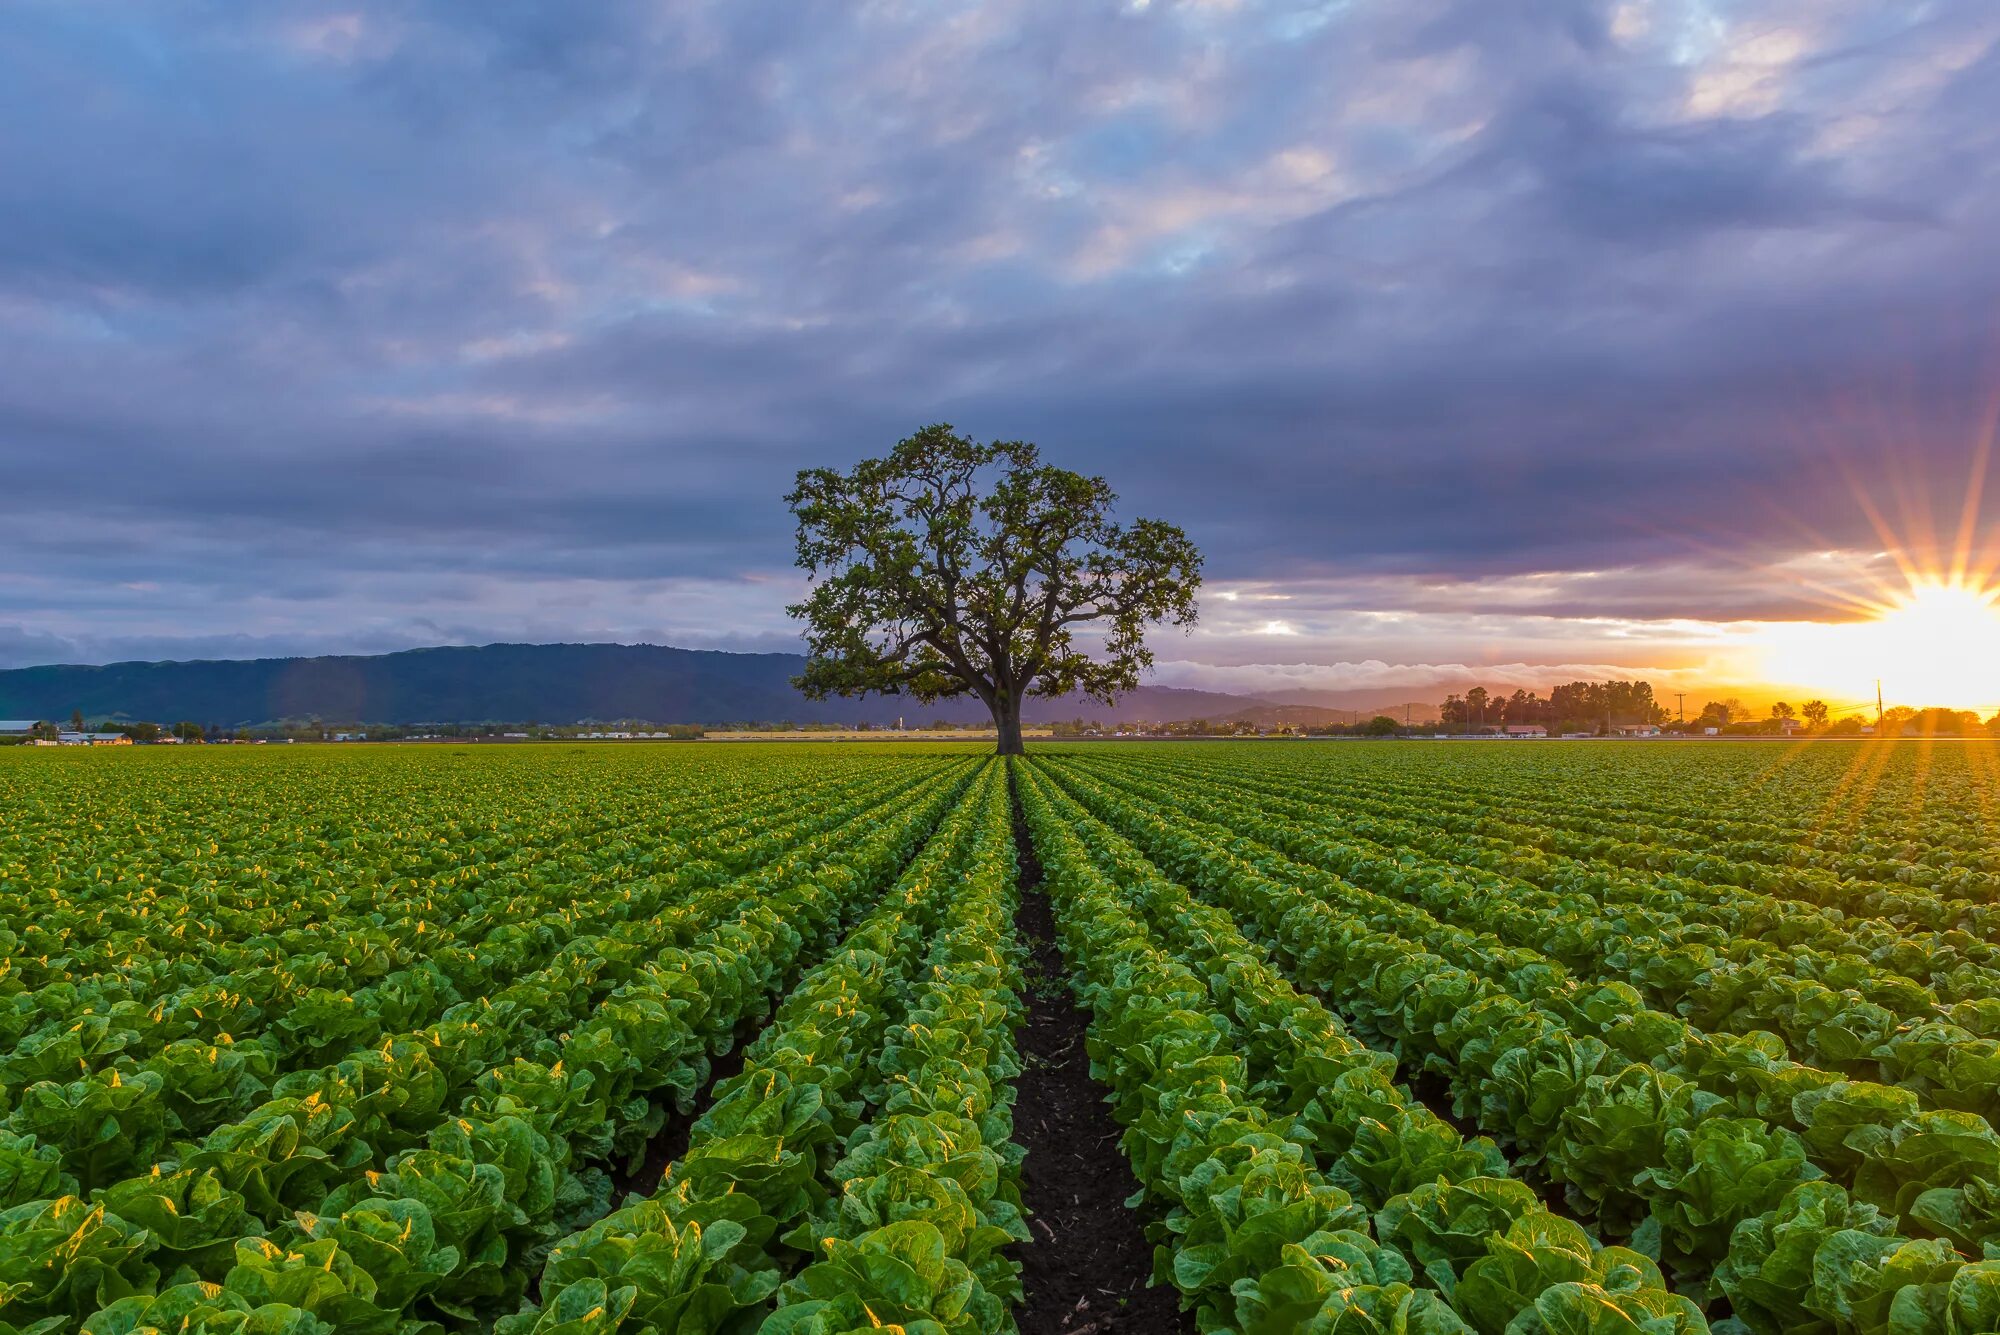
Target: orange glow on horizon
{"x": 1935, "y": 643}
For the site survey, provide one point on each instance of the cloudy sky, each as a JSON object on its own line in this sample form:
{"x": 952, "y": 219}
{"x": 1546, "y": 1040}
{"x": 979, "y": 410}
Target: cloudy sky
{"x": 1530, "y": 336}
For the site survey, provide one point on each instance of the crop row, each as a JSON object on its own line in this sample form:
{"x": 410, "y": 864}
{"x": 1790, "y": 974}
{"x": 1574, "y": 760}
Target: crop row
{"x": 1578, "y": 827}
{"x": 1893, "y": 811}
{"x": 858, "y": 1171}
{"x": 1302, "y": 1191}
{"x": 164, "y": 849}
{"x": 277, "y": 1012}
{"x": 1838, "y": 1012}
{"x": 123, "y": 934}
{"x": 1722, "y": 1194}
{"x": 417, "y": 1184}
{"x": 1380, "y": 1060}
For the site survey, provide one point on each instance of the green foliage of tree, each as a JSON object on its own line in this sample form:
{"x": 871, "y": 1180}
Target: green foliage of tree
{"x": 953, "y": 568}
{"x": 1573, "y": 706}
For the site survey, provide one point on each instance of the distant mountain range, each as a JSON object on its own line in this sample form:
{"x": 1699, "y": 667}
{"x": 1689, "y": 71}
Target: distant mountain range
{"x": 544, "y": 683}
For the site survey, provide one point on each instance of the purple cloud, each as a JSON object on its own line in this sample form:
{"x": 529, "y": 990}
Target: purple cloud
{"x": 363, "y": 325}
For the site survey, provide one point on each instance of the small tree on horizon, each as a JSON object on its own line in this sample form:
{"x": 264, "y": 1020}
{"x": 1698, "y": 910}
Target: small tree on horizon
{"x": 953, "y": 568}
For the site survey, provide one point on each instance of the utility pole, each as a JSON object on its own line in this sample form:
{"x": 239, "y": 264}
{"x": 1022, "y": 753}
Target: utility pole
{"x": 1878, "y": 706}
{"x": 1681, "y": 705}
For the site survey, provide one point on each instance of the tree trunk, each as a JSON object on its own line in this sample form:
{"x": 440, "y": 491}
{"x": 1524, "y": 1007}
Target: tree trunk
{"x": 1007, "y": 718}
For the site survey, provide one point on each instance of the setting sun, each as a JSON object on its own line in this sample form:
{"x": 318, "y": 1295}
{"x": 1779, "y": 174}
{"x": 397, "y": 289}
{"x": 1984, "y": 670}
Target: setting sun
{"x": 1937, "y": 644}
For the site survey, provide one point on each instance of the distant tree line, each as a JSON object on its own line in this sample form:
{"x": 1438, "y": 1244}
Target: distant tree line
{"x": 1732, "y": 718}
{"x": 1577, "y": 706}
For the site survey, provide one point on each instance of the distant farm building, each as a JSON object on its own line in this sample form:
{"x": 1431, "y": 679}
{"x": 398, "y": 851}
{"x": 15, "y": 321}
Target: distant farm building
{"x": 93, "y": 739}
{"x": 17, "y": 727}
{"x": 1526, "y": 730}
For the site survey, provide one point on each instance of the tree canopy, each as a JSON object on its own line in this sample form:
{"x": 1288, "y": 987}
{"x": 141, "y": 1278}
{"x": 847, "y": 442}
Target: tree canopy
{"x": 955, "y": 568}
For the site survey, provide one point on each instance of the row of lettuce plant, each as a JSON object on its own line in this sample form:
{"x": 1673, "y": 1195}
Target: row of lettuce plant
{"x": 1659, "y": 1160}
{"x": 428, "y": 1180}
{"x": 1807, "y": 952}
{"x": 123, "y": 926}
{"x": 120, "y": 1118}
{"x": 1738, "y": 1071}
{"x": 1931, "y": 1066}
{"x": 259, "y": 868}
{"x": 1928, "y": 945}
{"x": 928, "y": 1194}
{"x": 1918, "y": 824}
{"x": 1913, "y": 973}
{"x": 281, "y": 1008}
{"x": 1943, "y": 1064}
{"x": 191, "y": 1086}
{"x": 650, "y": 1038}
{"x": 1589, "y": 838}
{"x": 707, "y": 1250}
{"x": 1956, "y": 961}
{"x": 1932, "y": 1171}
{"x": 1906, "y": 889}
{"x": 1481, "y": 1242}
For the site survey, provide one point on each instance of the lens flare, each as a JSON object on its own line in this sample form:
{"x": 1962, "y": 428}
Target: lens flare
{"x": 1937, "y": 644}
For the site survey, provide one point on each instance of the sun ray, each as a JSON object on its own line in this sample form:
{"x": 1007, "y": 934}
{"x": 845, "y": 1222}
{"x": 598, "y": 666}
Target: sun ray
{"x": 1968, "y": 514}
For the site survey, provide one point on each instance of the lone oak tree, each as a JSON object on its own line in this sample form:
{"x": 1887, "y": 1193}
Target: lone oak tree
{"x": 953, "y": 568}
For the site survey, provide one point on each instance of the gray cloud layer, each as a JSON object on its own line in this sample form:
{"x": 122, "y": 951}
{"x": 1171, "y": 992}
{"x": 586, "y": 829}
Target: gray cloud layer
{"x": 365, "y": 325}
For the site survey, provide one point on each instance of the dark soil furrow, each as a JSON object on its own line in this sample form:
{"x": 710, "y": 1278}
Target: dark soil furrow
{"x": 671, "y": 1142}
{"x": 1087, "y": 1268}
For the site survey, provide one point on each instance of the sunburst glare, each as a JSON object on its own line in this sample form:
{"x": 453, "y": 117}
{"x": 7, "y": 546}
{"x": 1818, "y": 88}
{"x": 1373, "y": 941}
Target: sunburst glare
{"x": 1937, "y": 643}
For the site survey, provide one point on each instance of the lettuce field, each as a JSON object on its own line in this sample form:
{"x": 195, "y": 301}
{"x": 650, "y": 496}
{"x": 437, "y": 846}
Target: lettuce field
{"x": 1380, "y": 1039}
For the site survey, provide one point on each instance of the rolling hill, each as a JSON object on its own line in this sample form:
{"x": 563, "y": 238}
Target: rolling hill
{"x": 548, "y": 683}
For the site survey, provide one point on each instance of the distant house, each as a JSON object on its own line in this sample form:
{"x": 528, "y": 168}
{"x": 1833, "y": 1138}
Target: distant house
{"x": 93, "y": 739}
{"x": 1526, "y": 730}
{"x": 1788, "y": 727}
{"x": 350, "y": 737}
{"x": 1637, "y": 729}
